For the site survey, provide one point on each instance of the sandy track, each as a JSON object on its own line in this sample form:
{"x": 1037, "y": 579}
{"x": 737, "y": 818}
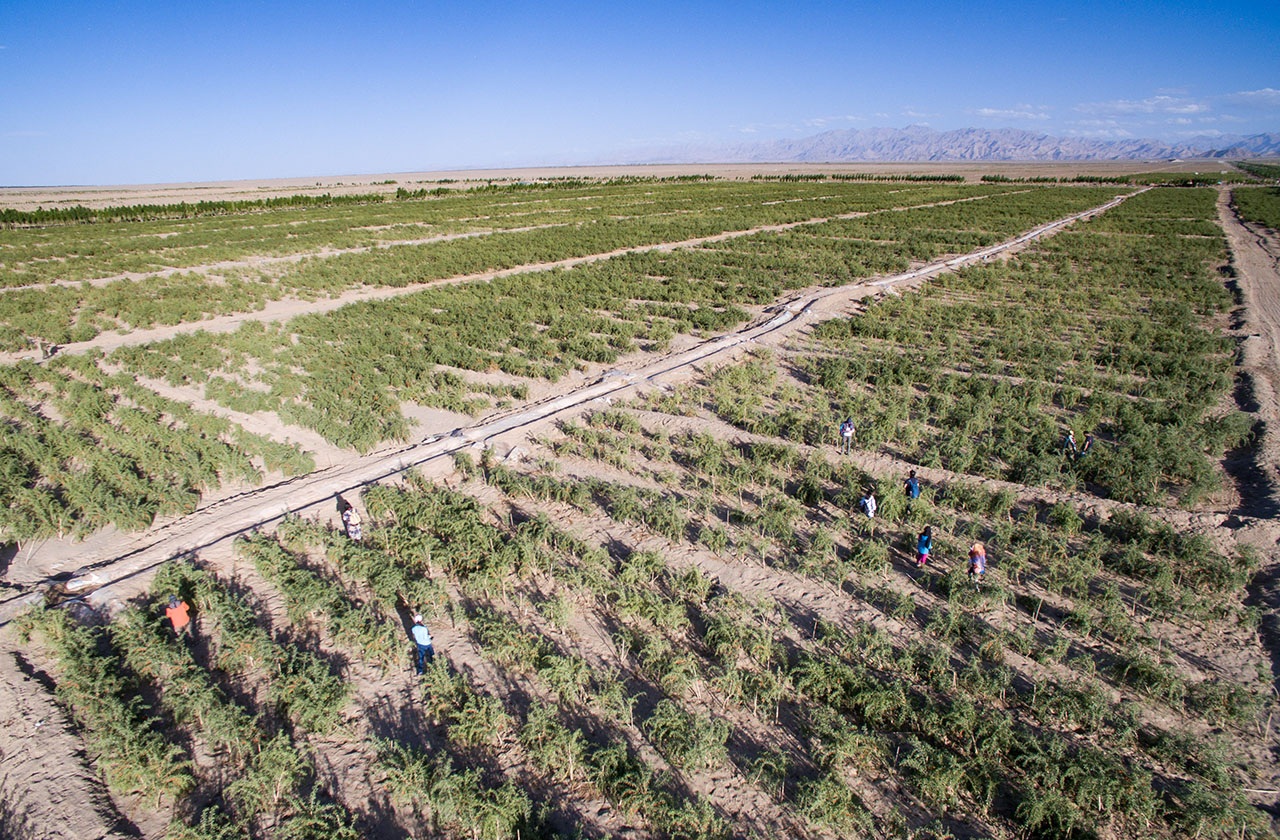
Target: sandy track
{"x": 46, "y": 788}
{"x": 291, "y": 307}
{"x": 1256, "y": 256}
{"x": 226, "y": 518}
{"x": 1256, "y": 253}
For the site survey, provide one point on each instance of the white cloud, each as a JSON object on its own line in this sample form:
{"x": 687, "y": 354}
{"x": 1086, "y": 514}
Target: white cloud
{"x": 1101, "y": 133}
{"x": 1266, "y": 99}
{"x": 1160, "y": 104}
{"x": 1179, "y": 121}
{"x": 1017, "y": 112}
{"x": 819, "y": 122}
{"x": 912, "y": 112}
{"x": 756, "y": 128}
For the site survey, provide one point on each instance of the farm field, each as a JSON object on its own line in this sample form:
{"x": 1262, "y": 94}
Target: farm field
{"x": 658, "y": 608}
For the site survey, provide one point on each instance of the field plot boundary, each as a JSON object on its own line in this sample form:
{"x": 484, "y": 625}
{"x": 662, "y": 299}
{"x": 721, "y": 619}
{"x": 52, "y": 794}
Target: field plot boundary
{"x": 230, "y": 517}
{"x": 291, "y": 306}
{"x": 258, "y": 261}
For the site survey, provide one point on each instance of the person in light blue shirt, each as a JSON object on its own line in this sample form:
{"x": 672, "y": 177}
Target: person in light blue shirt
{"x": 422, "y": 638}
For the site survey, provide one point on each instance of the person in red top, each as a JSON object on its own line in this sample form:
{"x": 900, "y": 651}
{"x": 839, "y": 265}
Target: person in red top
{"x": 179, "y": 615}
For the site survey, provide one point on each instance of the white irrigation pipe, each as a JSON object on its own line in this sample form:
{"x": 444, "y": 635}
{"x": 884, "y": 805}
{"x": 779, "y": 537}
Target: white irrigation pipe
{"x": 239, "y": 514}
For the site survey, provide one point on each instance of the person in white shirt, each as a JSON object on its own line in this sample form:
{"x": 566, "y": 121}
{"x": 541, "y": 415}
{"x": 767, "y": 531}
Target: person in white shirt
{"x": 422, "y": 638}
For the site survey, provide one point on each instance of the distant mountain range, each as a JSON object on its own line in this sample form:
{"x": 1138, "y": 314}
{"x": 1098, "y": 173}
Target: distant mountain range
{"x": 917, "y": 143}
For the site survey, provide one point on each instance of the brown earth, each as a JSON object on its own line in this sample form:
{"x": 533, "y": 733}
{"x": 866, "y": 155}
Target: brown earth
{"x": 48, "y": 790}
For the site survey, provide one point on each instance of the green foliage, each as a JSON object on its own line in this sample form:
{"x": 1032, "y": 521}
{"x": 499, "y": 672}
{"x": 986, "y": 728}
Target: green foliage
{"x": 299, "y": 682}
{"x": 308, "y": 594}
{"x": 830, "y": 803}
{"x": 1260, "y": 205}
{"x": 1102, "y": 327}
{"x": 119, "y": 455}
{"x": 693, "y": 742}
{"x": 454, "y": 800}
{"x": 119, "y": 728}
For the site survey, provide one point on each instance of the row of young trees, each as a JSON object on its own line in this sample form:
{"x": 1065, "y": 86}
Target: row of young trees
{"x": 343, "y": 373}
{"x": 264, "y": 784}
{"x": 936, "y": 690}
{"x": 81, "y": 450}
{"x": 1260, "y": 205}
{"x": 473, "y": 239}
{"x": 1056, "y": 568}
{"x": 634, "y": 213}
{"x": 79, "y": 214}
{"x": 1101, "y": 330}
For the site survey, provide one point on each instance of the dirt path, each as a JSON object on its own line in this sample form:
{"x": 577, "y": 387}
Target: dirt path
{"x": 129, "y": 555}
{"x": 47, "y": 791}
{"x": 291, "y": 307}
{"x": 1256, "y": 256}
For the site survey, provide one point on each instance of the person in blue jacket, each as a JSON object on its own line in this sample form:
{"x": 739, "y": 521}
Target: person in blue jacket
{"x": 924, "y": 546}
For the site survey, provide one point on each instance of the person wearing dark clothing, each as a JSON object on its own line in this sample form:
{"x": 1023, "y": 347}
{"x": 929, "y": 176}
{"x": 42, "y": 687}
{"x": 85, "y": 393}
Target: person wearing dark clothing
{"x": 912, "y": 487}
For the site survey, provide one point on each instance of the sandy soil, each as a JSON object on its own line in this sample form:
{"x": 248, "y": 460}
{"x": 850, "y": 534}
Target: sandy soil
{"x": 29, "y": 198}
{"x": 47, "y": 789}
{"x": 1256, "y": 256}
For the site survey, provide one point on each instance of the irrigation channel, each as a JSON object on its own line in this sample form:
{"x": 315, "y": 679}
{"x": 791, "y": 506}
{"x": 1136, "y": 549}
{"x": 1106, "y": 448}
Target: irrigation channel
{"x": 229, "y": 517}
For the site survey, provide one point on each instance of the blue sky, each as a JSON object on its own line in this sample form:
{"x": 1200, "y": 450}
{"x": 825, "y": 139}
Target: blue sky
{"x": 106, "y": 93}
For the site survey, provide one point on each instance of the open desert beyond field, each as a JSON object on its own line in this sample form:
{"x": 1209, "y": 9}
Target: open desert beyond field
{"x": 725, "y": 501}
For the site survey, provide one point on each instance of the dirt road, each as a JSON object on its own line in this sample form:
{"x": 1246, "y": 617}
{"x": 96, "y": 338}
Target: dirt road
{"x": 1256, "y": 255}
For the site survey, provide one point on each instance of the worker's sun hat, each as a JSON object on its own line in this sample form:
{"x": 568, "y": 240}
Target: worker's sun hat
{"x": 418, "y": 618}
